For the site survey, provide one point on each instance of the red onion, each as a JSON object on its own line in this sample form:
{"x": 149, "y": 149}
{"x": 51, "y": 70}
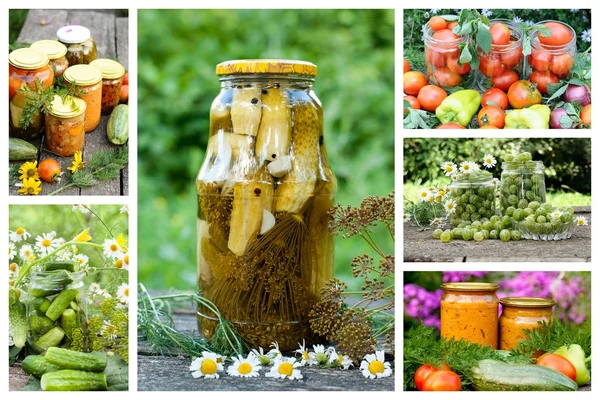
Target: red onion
{"x": 555, "y": 117}
{"x": 579, "y": 94}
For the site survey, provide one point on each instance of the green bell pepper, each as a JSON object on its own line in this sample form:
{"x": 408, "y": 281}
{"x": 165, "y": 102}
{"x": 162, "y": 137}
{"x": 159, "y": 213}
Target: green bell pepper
{"x": 459, "y": 107}
{"x": 534, "y": 117}
{"x": 575, "y": 354}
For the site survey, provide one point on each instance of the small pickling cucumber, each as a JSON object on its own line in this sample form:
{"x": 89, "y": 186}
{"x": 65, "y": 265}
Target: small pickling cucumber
{"x": 68, "y": 321}
{"x": 37, "y": 366}
{"x": 70, "y": 266}
{"x": 70, "y": 380}
{"x": 51, "y": 338}
{"x": 40, "y": 304}
{"x": 40, "y": 324}
{"x": 74, "y": 306}
{"x": 246, "y": 110}
{"x": 275, "y": 131}
{"x": 70, "y": 359}
{"x": 60, "y": 303}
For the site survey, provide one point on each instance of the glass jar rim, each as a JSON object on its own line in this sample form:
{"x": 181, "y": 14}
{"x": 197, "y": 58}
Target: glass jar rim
{"x": 39, "y": 273}
{"x": 552, "y": 49}
{"x": 470, "y": 286}
{"x": 266, "y": 77}
{"x": 527, "y": 302}
{"x": 520, "y": 165}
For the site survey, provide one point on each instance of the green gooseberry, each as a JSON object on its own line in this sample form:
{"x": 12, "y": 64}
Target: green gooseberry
{"x": 498, "y": 226}
{"x": 468, "y": 234}
{"x": 493, "y": 234}
{"x": 566, "y": 217}
{"x": 494, "y": 219}
{"x": 522, "y": 204}
{"x": 437, "y": 233}
{"x": 478, "y": 236}
{"x": 457, "y": 233}
{"x": 486, "y": 233}
{"x": 513, "y": 200}
{"x": 487, "y": 225}
{"x": 527, "y": 212}
{"x": 509, "y": 211}
{"x": 515, "y": 235}
{"x": 446, "y": 236}
{"x": 505, "y": 235}
{"x": 540, "y": 219}
{"x": 518, "y": 215}
{"x": 506, "y": 221}
{"x": 475, "y": 217}
{"x": 534, "y": 205}
{"x": 524, "y": 157}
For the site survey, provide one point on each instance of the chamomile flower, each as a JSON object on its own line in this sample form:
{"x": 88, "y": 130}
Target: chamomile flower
{"x": 19, "y": 234}
{"x": 123, "y": 293}
{"x": 124, "y": 209}
{"x": 275, "y": 353}
{"x": 450, "y": 206}
{"x": 466, "y": 167}
{"x": 14, "y": 269}
{"x": 122, "y": 262}
{"x": 25, "y": 251}
{"x": 339, "y": 360}
{"x": 318, "y": 356}
{"x": 82, "y": 260}
{"x": 109, "y": 330}
{"x": 264, "y": 359}
{"x": 486, "y": 12}
{"x": 489, "y": 161}
{"x": 12, "y": 251}
{"x": 495, "y": 182}
{"x": 245, "y": 367}
{"x": 285, "y": 367}
{"x": 94, "y": 288}
{"x": 46, "y": 243}
{"x": 425, "y": 195}
{"x": 304, "y": 357}
{"x": 374, "y": 366}
{"x": 60, "y": 241}
{"x": 454, "y": 177}
{"x": 407, "y": 217}
{"x": 207, "y": 366}
{"x": 581, "y": 220}
{"x": 556, "y": 214}
{"x": 437, "y": 221}
{"x": 83, "y": 208}
{"x": 112, "y": 248}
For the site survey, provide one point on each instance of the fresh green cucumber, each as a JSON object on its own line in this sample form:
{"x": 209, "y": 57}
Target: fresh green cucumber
{"x": 60, "y": 303}
{"x": 70, "y": 359}
{"x": 21, "y": 150}
{"x": 51, "y": 338}
{"x": 71, "y": 380}
{"x": 38, "y": 366}
{"x": 41, "y": 292}
{"x": 117, "y": 129}
{"x": 74, "y": 306}
{"x": 70, "y": 266}
{"x": 40, "y": 324}
{"x": 68, "y": 321}
{"x": 45, "y": 305}
{"x": 492, "y": 375}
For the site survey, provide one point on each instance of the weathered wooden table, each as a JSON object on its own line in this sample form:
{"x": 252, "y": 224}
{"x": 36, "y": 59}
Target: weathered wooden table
{"x": 171, "y": 373}
{"x": 420, "y": 246}
{"x": 111, "y": 36}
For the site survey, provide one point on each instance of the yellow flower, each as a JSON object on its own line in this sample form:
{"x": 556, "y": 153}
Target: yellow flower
{"x": 31, "y": 186}
{"x": 122, "y": 242}
{"x": 83, "y": 236}
{"x": 29, "y": 170}
{"x": 78, "y": 163}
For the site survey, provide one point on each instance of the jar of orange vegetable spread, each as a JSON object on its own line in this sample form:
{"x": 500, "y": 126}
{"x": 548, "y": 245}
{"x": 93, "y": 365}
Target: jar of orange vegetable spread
{"x": 81, "y": 48}
{"x": 28, "y": 71}
{"x": 469, "y": 311}
{"x": 441, "y": 59}
{"x": 65, "y": 120}
{"x": 112, "y": 79}
{"x": 520, "y": 313}
{"x": 56, "y": 52}
{"x": 89, "y": 81}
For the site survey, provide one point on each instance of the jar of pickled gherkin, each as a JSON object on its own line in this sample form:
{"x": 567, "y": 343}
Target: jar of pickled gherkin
{"x": 56, "y": 52}
{"x": 81, "y": 48}
{"x": 474, "y": 197}
{"x": 56, "y": 308}
{"x": 522, "y": 182}
{"x": 28, "y": 72}
{"x": 88, "y": 80}
{"x": 65, "y": 125}
{"x": 519, "y": 313}
{"x": 264, "y": 191}
{"x": 112, "y": 79}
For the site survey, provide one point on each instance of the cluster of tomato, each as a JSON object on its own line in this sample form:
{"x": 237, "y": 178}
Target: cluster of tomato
{"x": 431, "y": 379}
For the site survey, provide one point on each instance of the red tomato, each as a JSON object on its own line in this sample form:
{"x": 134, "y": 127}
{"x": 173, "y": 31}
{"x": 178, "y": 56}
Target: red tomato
{"x": 49, "y": 170}
{"x": 406, "y": 66}
{"x": 430, "y": 97}
{"x": 558, "y": 363}
{"x": 444, "y": 76}
{"x": 539, "y": 60}
{"x": 422, "y": 373}
{"x": 500, "y": 33}
{"x": 523, "y": 93}
{"x": 439, "y": 381}
{"x": 445, "y": 35}
{"x": 126, "y": 79}
{"x": 452, "y": 24}
{"x": 491, "y": 67}
{"x": 437, "y": 23}
{"x": 435, "y": 58}
{"x": 124, "y": 95}
{"x": 13, "y": 86}
{"x": 586, "y": 116}
{"x": 543, "y": 79}
{"x": 494, "y": 95}
{"x": 560, "y": 34}
{"x": 450, "y": 125}
{"x": 488, "y": 127}
{"x": 505, "y": 79}
{"x": 562, "y": 64}
{"x": 491, "y": 115}
{"x": 413, "y": 82}
{"x": 510, "y": 58}
{"x": 452, "y": 62}
{"x": 414, "y": 103}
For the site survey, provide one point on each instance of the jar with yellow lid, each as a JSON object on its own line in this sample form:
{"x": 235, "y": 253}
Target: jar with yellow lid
{"x": 112, "y": 79}
{"x": 81, "y": 48}
{"x": 519, "y": 313}
{"x": 469, "y": 311}
{"x": 89, "y": 81}
{"x": 264, "y": 190}
{"x": 28, "y": 72}
{"x": 65, "y": 123}
{"x": 56, "y": 52}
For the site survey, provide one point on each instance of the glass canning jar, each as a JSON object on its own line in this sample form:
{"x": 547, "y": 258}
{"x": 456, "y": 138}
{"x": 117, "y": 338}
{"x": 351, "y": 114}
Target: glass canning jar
{"x": 89, "y": 81}
{"x": 474, "y": 196}
{"x": 502, "y": 58}
{"x": 112, "y": 79}
{"x": 65, "y": 125}
{"x": 264, "y": 191}
{"x": 56, "y": 52}
{"x": 522, "y": 182}
{"x": 469, "y": 311}
{"x": 441, "y": 59}
{"x": 56, "y": 307}
{"x": 28, "y": 71}
{"x": 81, "y": 48}
{"x": 519, "y": 313}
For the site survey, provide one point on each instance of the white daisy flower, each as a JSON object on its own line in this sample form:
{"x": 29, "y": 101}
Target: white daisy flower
{"x": 285, "y": 367}
{"x": 486, "y": 12}
{"x": 318, "y": 356}
{"x": 450, "y": 206}
{"x": 112, "y": 248}
{"x": 83, "y": 208}
{"x": 18, "y": 235}
{"x": 94, "y": 288}
{"x": 339, "y": 360}
{"x": 374, "y": 366}
{"x": 245, "y": 367}
{"x": 466, "y": 167}
{"x": 207, "y": 366}
{"x": 12, "y": 251}
{"x": 495, "y": 181}
{"x": 122, "y": 262}
{"x": 14, "y": 269}
{"x": 304, "y": 357}
{"x": 123, "y": 293}
{"x": 265, "y": 359}
{"x": 25, "y": 251}
{"x": 425, "y": 195}
{"x": 275, "y": 353}
{"x": 489, "y": 161}
{"x": 46, "y": 243}
{"x": 449, "y": 168}
{"x": 586, "y": 35}
{"x": 581, "y": 220}
{"x": 556, "y": 214}
{"x": 82, "y": 260}
{"x": 436, "y": 221}
{"x": 109, "y": 329}
{"x": 60, "y": 241}
{"x": 454, "y": 177}
{"x": 124, "y": 209}
{"x": 407, "y": 217}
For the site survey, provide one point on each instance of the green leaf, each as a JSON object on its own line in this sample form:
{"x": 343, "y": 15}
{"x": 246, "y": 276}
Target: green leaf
{"x": 545, "y": 32}
{"x": 33, "y": 385}
{"x": 485, "y": 20}
{"x": 465, "y": 56}
{"x": 465, "y": 29}
{"x": 570, "y": 109}
{"x": 13, "y": 354}
{"x": 576, "y": 81}
{"x": 450, "y": 17}
{"x": 484, "y": 37}
{"x": 558, "y": 92}
{"x": 526, "y": 45}
{"x": 566, "y": 122}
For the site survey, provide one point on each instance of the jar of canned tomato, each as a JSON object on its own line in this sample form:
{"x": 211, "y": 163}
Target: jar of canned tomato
{"x": 503, "y": 64}
{"x": 552, "y": 56}
{"x": 88, "y": 79}
{"x": 441, "y": 58}
{"x": 65, "y": 121}
{"x": 56, "y": 52}
{"x": 112, "y": 79}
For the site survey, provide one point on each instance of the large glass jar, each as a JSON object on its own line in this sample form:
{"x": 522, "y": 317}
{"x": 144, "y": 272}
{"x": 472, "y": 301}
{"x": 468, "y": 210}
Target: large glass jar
{"x": 469, "y": 311}
{"x": 81, "y": 48}
{"x": 89, "y": 81}
{"x": 56, "y": 52}
{"x": 264, "y": 189}
{"x": 504, "y": 62}
{"x": 441, "y": 59}
{"x": 519, "y": 313}
{"x": 112, "y": 79}
{"x": 522, "y": 182}
{"x": 474, "y": 196}
{"x": 548, "y": 62}
{"x": 28, "y": 72}
{"x": 56, "y": 309}
{"x": 65, "y": 120}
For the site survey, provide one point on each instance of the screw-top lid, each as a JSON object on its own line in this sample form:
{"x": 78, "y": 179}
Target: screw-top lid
{"x": 110, "y": 69}
{"x": 284, "y": 67}
{"x": 528, "y": 302}
{"x": 68, "y": 107}
{"x": 28, "y": 58}
{"x": 470, "y": 286}
{"x": 82, "y": 75}
{"x": 52, "y": 48}
{"x": 73, "y": 34}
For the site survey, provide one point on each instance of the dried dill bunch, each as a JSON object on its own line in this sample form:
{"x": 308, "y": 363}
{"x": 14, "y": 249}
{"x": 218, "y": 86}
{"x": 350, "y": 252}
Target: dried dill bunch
{"x": 109, "y": 330}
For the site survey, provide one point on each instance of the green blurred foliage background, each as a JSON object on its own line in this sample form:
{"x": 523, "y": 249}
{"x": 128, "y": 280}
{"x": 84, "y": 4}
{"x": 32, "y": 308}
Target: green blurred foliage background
{"x": 177, "y": 54}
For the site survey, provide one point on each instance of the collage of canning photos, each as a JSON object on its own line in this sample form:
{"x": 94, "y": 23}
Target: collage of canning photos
{"x": 521, "y": 201}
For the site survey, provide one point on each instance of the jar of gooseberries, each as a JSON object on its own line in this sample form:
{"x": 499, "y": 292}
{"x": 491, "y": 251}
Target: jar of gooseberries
{"x": 522, "y": 182}
{"x": 474, "y": 195}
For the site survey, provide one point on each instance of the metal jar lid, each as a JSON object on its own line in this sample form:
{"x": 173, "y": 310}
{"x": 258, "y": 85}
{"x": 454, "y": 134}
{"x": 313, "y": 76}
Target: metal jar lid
{"x": 527, "y": 302}
{"x": 72, "y": 34}
{"x": 82, "y": 75}
{"x": 52, "y": 48}
{"x": 267, "y": 66}
{"x": 68, "y": 107}
{"x": 110, "y": 69}
{"x": 470, "y": 286}
{"x": 28, "y": 58}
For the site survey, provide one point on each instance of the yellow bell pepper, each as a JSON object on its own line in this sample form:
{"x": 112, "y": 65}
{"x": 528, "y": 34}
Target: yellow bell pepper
{"x": 534, "y": 117}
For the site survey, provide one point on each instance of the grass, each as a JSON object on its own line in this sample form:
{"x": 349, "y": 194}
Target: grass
{"x": 16, "y": 19}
